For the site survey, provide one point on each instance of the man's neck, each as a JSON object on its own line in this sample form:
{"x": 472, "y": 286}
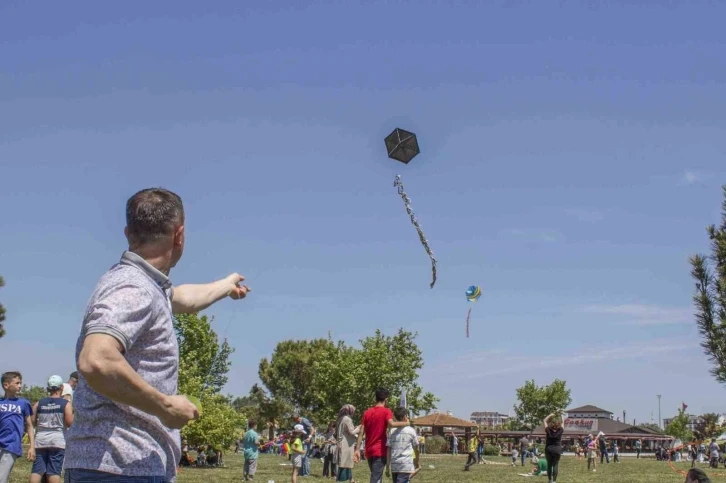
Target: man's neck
{"x": 380, "y": 404}
{"x": 159, "y": 259}
{"x": 10, "y": 396}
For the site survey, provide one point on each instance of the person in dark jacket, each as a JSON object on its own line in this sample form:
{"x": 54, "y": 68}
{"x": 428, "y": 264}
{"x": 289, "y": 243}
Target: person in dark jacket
{"x": 553, "y": 446}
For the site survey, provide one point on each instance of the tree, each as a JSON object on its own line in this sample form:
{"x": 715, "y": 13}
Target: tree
{"x": 709, "y": 299}
{"x": 289, "y": 374}
{"x": 203, "y": 362}
{"x": 203, "y": 368}
{"x": 535, "y": 403}
{"x": 2, "y": 312}
{"x": 318, "y": 377}
{"x": 349, "y": 375}
{"x": 34, "y": 393}
{"x": 708, "y": 427}
{"x": 678, "y": 427}
{"x": 219, "y": 425}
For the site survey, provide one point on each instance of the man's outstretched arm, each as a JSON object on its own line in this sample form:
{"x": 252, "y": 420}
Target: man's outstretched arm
{"x": 192, "y": 298}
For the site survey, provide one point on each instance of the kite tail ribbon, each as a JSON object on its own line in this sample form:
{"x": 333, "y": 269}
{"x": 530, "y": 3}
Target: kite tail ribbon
{"x": 407, "y": 201}
{"x": 467, "y": 323}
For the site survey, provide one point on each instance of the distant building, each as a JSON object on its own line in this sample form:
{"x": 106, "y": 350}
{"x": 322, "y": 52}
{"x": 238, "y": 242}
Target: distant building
{"x": 693, "y": 421}
{"x": 489, "y": 419}
{"x": 589, "y": 411}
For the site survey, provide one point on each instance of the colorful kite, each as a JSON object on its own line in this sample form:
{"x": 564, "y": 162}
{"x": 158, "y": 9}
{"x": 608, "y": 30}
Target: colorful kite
{"x": 403, "y": 146}
{"x": 472, "y": 295}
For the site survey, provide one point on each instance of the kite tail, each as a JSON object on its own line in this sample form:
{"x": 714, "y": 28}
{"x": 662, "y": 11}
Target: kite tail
{"x": 407, "y": 201}
{"x": 467, "y": 323}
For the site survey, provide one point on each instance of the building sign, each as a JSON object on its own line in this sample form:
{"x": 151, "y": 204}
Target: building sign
{"x": 580, "y": 425}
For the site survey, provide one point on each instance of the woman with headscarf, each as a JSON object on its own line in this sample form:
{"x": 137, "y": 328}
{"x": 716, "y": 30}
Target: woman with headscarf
{"x": 553, "y": 446}
{"x": 345, "y": 435}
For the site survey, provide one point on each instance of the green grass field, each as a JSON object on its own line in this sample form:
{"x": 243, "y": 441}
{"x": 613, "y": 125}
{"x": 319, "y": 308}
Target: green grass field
{"x": 436, "y": 469}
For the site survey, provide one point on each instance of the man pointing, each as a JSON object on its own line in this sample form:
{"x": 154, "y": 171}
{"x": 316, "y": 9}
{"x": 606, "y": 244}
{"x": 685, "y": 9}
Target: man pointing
{"x": 128, "y": 413}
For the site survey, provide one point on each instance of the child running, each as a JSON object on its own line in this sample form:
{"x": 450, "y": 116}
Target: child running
{"x": 515, "y": 454}
{"x": 297, "y": 451}
{"x": 250, "y": 443}
{"x": 15, "y": 419}
{"x": 402, "y": 460}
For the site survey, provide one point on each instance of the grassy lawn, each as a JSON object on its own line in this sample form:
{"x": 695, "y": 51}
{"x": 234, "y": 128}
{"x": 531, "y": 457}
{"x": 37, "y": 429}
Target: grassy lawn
{"x": 436, "y": 469}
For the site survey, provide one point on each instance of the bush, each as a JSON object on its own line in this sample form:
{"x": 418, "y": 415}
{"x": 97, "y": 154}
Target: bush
{"x": 436, "y": 445}
{"x": 491, "y": 450}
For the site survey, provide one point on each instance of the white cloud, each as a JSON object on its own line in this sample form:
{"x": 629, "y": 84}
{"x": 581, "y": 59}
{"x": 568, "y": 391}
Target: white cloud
{"x": 691, "y": 177}
{"x": 640, "y": 314}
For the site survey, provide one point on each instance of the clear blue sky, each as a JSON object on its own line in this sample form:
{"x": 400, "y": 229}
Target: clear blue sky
{"x": 572, "y": 156}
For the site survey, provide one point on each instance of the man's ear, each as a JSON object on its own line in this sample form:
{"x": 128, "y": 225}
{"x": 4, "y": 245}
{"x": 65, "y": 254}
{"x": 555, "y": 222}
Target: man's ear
{"x": 179, "y": 236}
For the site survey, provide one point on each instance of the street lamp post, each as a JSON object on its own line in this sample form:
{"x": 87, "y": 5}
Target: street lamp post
{"x": 659, "y": 420}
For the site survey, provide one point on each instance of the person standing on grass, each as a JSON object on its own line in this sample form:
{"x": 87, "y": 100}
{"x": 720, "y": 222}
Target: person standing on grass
{"x": 250, "y": 444}
{"x": 592, "y": 452}
{"x": 553, "y": 446}
{"x": 15, "y": 418}
{"x": 604, "y": 451}
{"x": 297, "y": 451}
{"x": 402, "y": 459}
{"x": 330, "y": 451}
{"x": 638, "y": 448}
{"x": 128, "y": 413}
{"x": 454, "y": 444}
{"x": 307, "y": 442}
{"x": 345, "y": 438}
{"x": 523, "y": 446}
{"x": 51, "y": 416}
{"x": 376, "y": 421}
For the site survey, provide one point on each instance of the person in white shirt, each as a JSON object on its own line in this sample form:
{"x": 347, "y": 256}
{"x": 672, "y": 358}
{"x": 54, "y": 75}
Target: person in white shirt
{"x": 70, "y": 386}
{"x": 403, "y": 457}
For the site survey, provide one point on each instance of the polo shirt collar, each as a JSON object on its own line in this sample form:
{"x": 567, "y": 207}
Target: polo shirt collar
{"x": 131, "y": 258}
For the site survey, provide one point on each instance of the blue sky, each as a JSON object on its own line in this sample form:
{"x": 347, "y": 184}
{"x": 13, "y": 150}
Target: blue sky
{"x": 572, "y": 156}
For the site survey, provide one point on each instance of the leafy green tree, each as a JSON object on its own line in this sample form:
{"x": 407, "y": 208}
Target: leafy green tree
{"x": 678, "y": 427}
{"x": 219, "y": 425}
{"x": 709, "y": 273}
{"x": 350, "y": 375}
{"x": 203, "y": 368}
{"x": 34, "y": 393}
{"x": 707, "y": 427}
{"x": 535, "y": 403}
{"x": 241, "y": 402}
{"x": 203, "y": 362}
{"x": 2, "y": 312}
{"x": 289, "y": 374}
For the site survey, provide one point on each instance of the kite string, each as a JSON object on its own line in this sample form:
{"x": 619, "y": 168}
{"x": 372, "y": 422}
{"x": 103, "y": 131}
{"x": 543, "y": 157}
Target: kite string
{"x": 467, "y": 322}
{"x": 407, "y": 201}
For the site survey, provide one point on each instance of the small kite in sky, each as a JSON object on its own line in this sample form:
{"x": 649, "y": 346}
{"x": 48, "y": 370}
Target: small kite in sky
{"x": 472, "y": 295}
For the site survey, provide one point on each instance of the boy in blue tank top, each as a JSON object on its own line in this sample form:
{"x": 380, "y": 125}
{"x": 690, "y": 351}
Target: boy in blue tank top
{"x": 15, "y": 419}
{"x": 52, "y": 415}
